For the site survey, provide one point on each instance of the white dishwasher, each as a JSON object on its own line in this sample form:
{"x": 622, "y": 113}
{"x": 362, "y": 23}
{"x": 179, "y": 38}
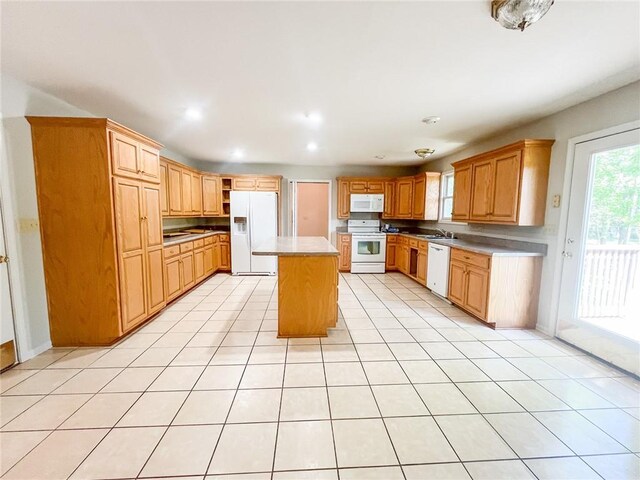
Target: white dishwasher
{"x": 438, "y": 269}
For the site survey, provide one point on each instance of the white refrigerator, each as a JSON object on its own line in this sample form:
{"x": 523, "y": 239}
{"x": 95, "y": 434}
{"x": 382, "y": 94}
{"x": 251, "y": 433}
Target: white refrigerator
{"x": 254, "y": 219}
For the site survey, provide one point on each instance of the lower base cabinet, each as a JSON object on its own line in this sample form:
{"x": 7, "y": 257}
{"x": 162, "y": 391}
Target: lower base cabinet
{"x": 344, "y": 247}
{"x": 185, "y": 267}
{"x": 502, "y": 291}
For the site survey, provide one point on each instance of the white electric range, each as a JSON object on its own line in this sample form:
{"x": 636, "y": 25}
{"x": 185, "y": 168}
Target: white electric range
{"x": 368, "y": 246}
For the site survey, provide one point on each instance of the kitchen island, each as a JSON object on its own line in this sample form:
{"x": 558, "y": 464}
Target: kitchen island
{"x": 307, "y": 284}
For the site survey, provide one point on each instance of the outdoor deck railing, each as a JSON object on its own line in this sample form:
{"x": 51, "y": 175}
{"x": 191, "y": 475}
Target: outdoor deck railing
{"x": 610, "y": 279}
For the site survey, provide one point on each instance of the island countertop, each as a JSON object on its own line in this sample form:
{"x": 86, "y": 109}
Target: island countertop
{"x": 296, "y": 246}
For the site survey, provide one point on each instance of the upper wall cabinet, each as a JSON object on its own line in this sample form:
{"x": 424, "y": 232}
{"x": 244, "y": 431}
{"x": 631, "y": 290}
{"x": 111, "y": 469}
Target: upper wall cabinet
{"x": 506, "y": 186}
{"x": 426, "y": 196}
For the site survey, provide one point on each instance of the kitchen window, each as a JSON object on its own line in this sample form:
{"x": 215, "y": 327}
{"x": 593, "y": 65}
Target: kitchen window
{"x": 446, "y": 196}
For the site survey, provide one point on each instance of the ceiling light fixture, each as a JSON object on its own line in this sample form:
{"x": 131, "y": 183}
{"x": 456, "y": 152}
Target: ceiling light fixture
{"x": 193, "y": 114}
{"x": 238, "y": 153}
{"x": 312, "y": 146}
{"x": 519, "y": 14}
{"x": 430, "y": 120}
{"x": 423, "y": 153}
{"x": 379, "y": 157}
{"x": 313, "y": 117}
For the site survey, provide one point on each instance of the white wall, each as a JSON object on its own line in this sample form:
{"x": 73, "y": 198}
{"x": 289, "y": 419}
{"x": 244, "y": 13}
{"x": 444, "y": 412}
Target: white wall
{"x": 611, "y": 109}
{"x": 17, "y": 184}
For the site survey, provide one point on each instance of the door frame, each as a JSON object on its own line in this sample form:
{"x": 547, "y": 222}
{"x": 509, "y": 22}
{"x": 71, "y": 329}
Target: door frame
{"x": 291, "y": 209}
{"x": 564, "y": 209}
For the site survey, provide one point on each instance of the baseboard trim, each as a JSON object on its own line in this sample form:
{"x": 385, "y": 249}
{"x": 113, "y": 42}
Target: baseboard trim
{"x": 29, "y": 354}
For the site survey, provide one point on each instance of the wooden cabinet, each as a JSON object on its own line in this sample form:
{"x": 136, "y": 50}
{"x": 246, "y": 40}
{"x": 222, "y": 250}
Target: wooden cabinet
{"x": 358, "y": 186}
{"x": 502, "y": 291}
{"x": 224, "y": 258}
{"x": 196, "y": 194}
{"x": 164, "y": 188}
{"x": 375, "y": 186}
{"x": 211, "y": 195}
{"x": 187, "y": 270}
{"x": 173, "y": 281}
{"x": 244, "y": 183}
{"x": 426, "y": 196}
{"x": 175, "y": 189}
{"x": 100, "y": 223}
{"x": 389, "y": 199}
{"x": 268, "y": 184}
{"x": 421, "y": 268}
{"x": 404, "y": 198}
{"x": 391, "y": 257}
{"x": 344, "y": 247}
{"x": 209, "y": 263}
{"x": 344, "y": 199}
{"x": 187, "y": 198}
{"x": 461, "y": 193}
{"x": 506, "y": 186}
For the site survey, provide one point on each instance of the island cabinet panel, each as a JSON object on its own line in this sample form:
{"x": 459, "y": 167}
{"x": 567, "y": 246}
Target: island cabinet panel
{"x": 506, "y": 186}
{"x": 344, "y": 247}
{"x": 304, "y": 281}
{"x": 461, "y": 193}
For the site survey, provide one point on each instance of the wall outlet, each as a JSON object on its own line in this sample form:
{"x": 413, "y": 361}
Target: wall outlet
{"x": 28, "y": 225}
{"x": 556, "y": 201}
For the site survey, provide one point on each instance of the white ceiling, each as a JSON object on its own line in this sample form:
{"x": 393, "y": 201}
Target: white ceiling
{"x": 373, "y": 70}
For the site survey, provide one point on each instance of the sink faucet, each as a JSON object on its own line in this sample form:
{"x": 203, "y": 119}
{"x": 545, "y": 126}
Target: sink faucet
{"x": 444, "y": 233}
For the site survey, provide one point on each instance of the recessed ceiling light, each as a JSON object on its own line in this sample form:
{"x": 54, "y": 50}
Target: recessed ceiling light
{"x": 193, "y": 114}
{"x": 313, "y": 117}
{"x": 312, "y": 146}
{"x": 430, "y": 120}
{"x": 238, "y": 153}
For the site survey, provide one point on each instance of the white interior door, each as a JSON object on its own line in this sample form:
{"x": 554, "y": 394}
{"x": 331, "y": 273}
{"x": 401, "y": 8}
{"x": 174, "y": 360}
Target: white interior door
{"x": 600, "y": 285}
{"x": 7, "y": 332}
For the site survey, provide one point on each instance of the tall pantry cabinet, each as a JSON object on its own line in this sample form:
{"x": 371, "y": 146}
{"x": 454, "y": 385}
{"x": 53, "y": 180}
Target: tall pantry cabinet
{"x": 100, "y": 211}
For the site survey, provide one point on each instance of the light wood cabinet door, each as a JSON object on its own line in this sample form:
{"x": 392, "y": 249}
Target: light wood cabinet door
{"x": 198, "y": 265}
{"x": 404, "y": 198}
{"x": 175, "y": 190}
{"x": 149, "y": 164}
{"x": 457, "y": 282}
{"x": 461, "y": 193}
{"x": 243, "y": 183}
{"x": 477, "y": 291}
{"x": 125, "y": 155}
{"x": 225, "y": 256}
{"x": 419, "y": 193}
{"x": 196, "y": 194}
{"x": 404, "y": 258}
{"x": 187, "y": 203}
{"x": 267, "y": 184}
{"x": 344, "y": 247}
{"x": 154, "y": 248}
{"x": 211, "y": 195}
{"x": 482, "y": 190}
{"x": 375, "y": 186}
{"x": 173, "y": 283}
{"x": 344, "y": 199}
{"x": 216, "y": 255}
{"x": 506, "y": 187}
{"x": 209, "y": 264}
{"x": 164, "y": 188}
{"x": 421, "y": 270}
{"x": 390, "y": 259}
{"x": 357, "y": 186}
{"x": 389, "y": 199}
{"x": 129, "y": 215}
{"x": 187, "y": 271}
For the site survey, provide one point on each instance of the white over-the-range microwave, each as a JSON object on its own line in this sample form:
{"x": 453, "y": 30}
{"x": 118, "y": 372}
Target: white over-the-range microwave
{"x": 362, "y": 202}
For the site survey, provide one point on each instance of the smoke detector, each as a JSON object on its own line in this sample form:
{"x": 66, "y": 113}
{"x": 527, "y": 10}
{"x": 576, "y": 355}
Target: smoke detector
{"x": 423, "y": 153}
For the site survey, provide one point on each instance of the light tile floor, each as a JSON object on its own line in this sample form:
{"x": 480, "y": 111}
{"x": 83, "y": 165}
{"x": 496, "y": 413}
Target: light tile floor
{"x": 405, "y": 387}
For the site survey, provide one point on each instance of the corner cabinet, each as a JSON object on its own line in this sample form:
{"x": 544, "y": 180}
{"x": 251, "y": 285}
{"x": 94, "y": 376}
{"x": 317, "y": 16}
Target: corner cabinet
{"x": 506, "y": 186}
{"x": 100, "y": 206}
{"x": 500, "y": 290}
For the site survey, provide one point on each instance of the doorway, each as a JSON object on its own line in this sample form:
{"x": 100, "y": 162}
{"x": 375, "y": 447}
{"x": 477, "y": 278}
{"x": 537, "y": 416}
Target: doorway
{"x": 8, "y": 354}
{"x": 600, "y": 283}
{"x": 310, "y": 208}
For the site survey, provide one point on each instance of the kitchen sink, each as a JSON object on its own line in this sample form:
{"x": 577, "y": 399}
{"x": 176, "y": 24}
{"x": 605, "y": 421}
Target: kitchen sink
{"x": 432, "y": 237}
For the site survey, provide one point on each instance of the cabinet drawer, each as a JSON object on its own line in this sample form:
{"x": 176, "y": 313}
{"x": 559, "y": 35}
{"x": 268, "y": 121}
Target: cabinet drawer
{"x": 422, "y": 245}
{"x": 186, "y": 247}
{"x": 413, "y": 242}
{"x": 392, "y": 238}
{"x": 208, "y": 240}
{"x": 223, "y": 237}
{"x": 482, "y": 261}
{"x": 267, "y": 184}
{"x": 171, "y": 251}
{"x": 198, "y": 243}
